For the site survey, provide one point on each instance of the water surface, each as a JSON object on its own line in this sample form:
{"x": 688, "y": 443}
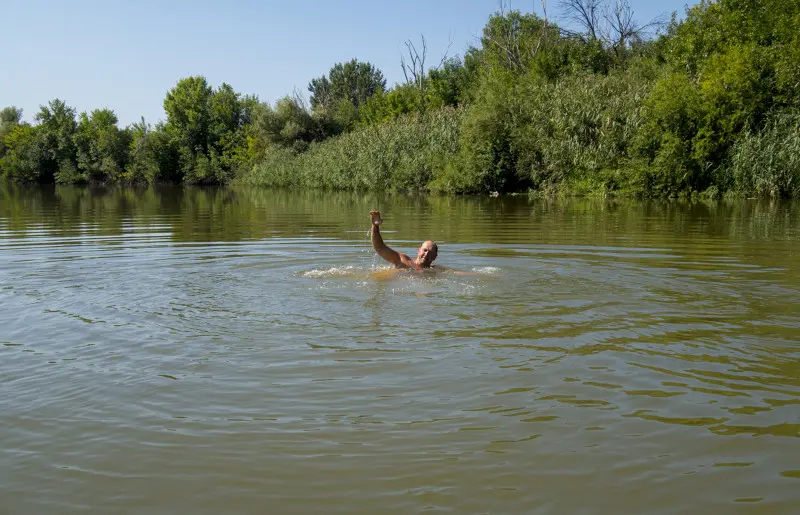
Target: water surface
{"x": 222, "y": 351}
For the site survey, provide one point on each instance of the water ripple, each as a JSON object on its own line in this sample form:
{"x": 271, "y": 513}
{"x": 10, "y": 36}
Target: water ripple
{"x": 203, "y": 359}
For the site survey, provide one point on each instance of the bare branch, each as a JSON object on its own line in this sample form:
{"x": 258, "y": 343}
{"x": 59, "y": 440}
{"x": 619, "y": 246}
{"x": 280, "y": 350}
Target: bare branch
{"x": 446, "y": 51}
{"x": 609, "y": 21}
{"x": 299, "y": 99}
{"x": 422, "y": 62}
{"x": 507, "y": 41}
{"x": 544, "y": 29}
{"x": 585, "y": 13}
{"x": 622, "y": 28}
{"x": 414, "y": 68}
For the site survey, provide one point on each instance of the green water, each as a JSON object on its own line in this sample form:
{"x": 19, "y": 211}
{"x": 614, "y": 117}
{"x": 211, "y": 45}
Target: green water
{"x": 224, "y": 351}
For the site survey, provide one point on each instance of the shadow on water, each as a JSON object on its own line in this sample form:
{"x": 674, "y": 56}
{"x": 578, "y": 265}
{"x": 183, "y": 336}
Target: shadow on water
{"x": 210, "y": 214}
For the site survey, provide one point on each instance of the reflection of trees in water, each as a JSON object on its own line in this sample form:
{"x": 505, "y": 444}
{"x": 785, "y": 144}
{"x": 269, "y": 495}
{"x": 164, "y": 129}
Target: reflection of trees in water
{"x": 231, "y": 214}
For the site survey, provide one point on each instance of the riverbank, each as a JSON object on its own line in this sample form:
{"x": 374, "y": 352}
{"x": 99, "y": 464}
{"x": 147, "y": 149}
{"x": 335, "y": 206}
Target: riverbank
{"x": 432, "y": 153}
{"x": 688, "y": 112}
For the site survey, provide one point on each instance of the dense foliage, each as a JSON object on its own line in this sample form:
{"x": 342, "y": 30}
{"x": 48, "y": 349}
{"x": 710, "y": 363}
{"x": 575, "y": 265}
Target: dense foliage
{"x": 710, "y": 105}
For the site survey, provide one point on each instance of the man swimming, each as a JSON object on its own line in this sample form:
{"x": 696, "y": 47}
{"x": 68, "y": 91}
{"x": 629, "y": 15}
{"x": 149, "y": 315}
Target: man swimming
{"x": 425, "y": 254}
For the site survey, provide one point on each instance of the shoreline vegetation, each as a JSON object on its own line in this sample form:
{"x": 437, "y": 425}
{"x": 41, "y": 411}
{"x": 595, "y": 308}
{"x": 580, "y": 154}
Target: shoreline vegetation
{"x": 706, "y": 106}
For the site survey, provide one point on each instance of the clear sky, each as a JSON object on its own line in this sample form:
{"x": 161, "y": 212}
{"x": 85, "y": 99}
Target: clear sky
{"x": 126, "y": 55}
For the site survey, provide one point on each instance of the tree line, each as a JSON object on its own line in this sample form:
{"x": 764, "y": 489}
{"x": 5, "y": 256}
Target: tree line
{"x": 708, "y": 105}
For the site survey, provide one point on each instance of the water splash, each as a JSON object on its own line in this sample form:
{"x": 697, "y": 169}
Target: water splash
{"x": 491, "y": 270}
{"x": 336, "y": 271}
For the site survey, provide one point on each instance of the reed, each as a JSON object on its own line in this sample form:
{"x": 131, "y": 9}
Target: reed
{"x": 767, "y": 163}
{"x": 577, "y": 134}
{"x": 402, "y": 154}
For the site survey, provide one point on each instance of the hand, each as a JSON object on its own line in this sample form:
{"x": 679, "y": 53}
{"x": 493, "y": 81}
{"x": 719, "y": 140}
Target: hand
{"x": 376, "y": 217}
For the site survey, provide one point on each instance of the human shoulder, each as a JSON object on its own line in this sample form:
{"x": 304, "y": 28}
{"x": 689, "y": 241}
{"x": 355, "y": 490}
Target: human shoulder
{"x": 405, "y": 261}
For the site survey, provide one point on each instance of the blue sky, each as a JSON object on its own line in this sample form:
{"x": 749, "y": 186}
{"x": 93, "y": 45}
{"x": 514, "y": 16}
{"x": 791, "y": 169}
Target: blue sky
{"x": 126, "y": 55}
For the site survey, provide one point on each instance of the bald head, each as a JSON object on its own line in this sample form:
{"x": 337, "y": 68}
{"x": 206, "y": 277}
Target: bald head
{"x": 427, "y": 253}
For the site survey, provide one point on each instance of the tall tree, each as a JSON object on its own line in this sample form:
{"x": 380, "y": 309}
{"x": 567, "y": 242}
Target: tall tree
{"x": 514, "y": 41}
{"x": 225, "y": 116}
{"x": 448, "y": 83}
{"x": 55, "y": 132}
{"x": 102, "y": 148}
{"x": 352, "y": 81}
{"x": 153, "y": 154}
{"x": 23, "y": 158}
{"x": 208, "y": 126}
{"x": 188, "y": 113}
{"x": 10, "y": 117}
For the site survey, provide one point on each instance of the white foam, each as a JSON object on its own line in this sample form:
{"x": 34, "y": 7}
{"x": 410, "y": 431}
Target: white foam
{"x": 486, "y": 269}
{"x": 336, "y": 271}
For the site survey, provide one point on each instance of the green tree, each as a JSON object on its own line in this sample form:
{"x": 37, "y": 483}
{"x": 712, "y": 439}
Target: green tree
{"x": 514, "y": 42}
{"x": 102, "y": 148}
{"x": 55, "y": 133}
{"x": 209, "y": 128}
{"x": 448, "y": 83}
{"x": 153, "y": 154}
{"x": 230, "y": 113}
{"x": 225, "y": 113}
{"x": 24, "y": 158}
{"x": 710, "y": 27}
{"x": 730, "y": 68}
{"x": 189, "y": 115}
{"x": 352, "y": 81}
{"x": 10, "y": 118}
{"x": 10, "y": 115}
{"x": 288, "y": 125}
{"x": 382, "y": 107}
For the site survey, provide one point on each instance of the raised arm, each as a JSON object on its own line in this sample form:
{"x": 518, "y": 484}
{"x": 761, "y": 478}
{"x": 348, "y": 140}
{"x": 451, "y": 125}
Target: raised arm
{"x": 392, "y": 256}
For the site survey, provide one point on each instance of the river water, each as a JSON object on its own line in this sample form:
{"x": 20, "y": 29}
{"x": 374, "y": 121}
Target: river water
{"x": 229, "y": 351}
